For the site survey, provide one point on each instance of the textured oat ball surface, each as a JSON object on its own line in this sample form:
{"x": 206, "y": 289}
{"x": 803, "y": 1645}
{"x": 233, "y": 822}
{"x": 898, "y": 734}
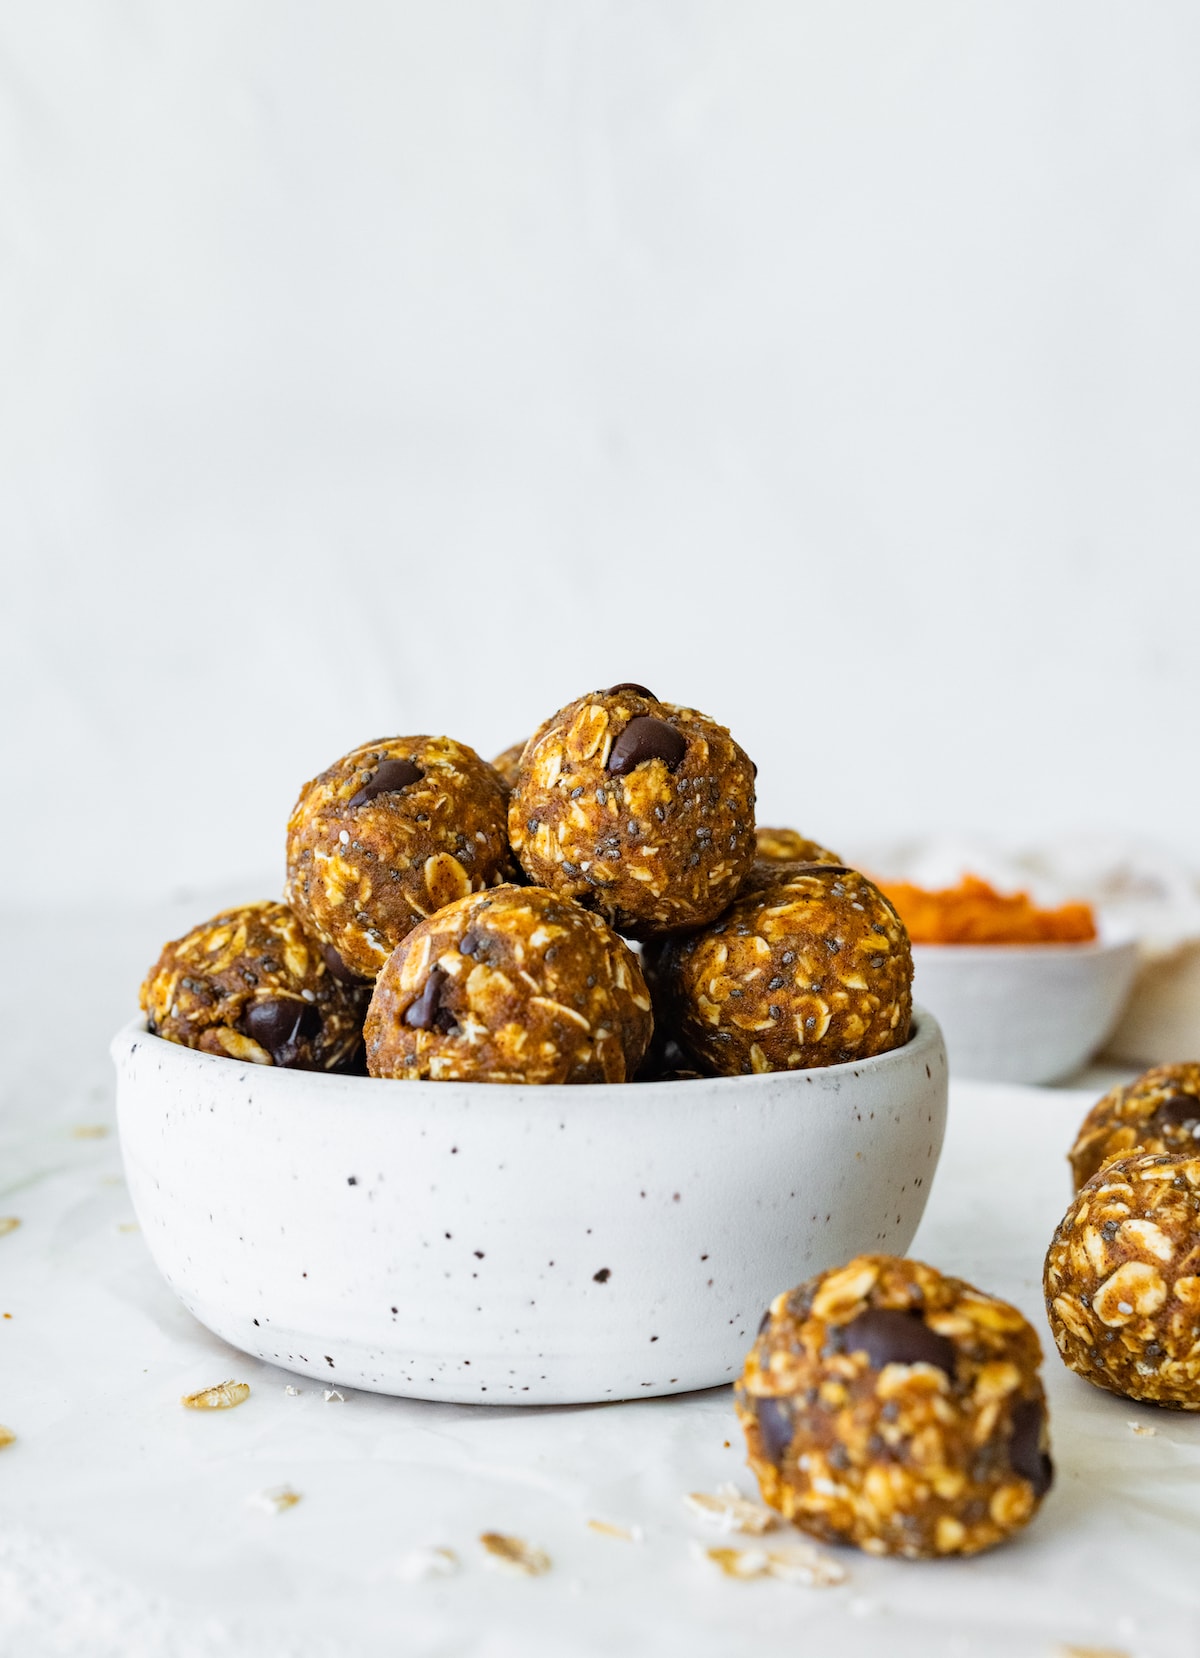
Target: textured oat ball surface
{"x": 891, "y": 1407}
{"x": 789, "y": 846}
{"x": 249, "y": 985}
{"x": 508, "y": 764}
{"x": 1160, "y": 1111}
{"x": 641, "y": 810}
{"x": 518, "y": 984}
{"x": 810, "y": 966}
{"x": 386, "y": 836}
{"x": 1122, "y": 1280}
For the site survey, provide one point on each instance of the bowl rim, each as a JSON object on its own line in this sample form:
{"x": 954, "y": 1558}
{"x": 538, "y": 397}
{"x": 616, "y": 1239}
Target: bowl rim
{"x": 925, "y": 1039}
{"x": 1086, "y": 949}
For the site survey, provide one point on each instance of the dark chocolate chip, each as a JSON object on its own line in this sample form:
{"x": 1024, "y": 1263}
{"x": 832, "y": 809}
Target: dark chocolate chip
{"x": 628, "y": 685}
{"x": 469, "y": 943}
{"x": 389, "y": 777}
{"x": 338, "y": 967}
{"x": 646, "y": 738}
{"x": 775, "y": 1425}
{"x": 1178, "y": 1111}
{"x": 602, "y": 1276}
{"x": 1026, "y": 1448}
{"x": 279, "y": 1024}
{"x": 427, "y": 1012}
{"x": 891, "y": 1336}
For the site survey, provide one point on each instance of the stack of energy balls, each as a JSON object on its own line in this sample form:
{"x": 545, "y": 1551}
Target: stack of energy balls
{"x": 459, "y": 920}
{"x": 465, "y": 921}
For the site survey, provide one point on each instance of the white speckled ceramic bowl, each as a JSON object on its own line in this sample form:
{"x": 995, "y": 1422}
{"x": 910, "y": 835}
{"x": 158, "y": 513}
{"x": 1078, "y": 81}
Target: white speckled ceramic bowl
{"x": 505, "y": 1245}
{"x": 1025, "y": 1013}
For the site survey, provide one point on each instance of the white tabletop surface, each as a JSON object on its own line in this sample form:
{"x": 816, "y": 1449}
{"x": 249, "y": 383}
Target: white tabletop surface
{"x": 125, "y": 1526}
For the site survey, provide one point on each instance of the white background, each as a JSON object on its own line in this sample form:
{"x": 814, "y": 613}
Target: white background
{"x": 380, "y": 368}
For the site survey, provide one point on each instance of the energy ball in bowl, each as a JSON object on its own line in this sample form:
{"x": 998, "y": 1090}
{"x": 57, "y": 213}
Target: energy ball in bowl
{"x": 508, "y": 764}
{"x": 891, "y": 1407}
{"x": 810, "y": 966}
{"x": 387, "y": 835}
{"x": 640, "y": 810}
{"x": 1122, "y": 1280}
{"x": 1160, "y": 1111}
{"x": 249, "y": 985}
{"x": 513, "y": 985}
{"x": 789, "y": 846}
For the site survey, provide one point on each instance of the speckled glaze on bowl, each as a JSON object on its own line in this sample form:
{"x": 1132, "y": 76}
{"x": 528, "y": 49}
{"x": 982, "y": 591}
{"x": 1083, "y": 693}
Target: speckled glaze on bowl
{"x": 512, "y": 1245}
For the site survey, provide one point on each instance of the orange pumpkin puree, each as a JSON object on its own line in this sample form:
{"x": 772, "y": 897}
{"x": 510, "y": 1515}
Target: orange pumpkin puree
{"x": 975, "y": 913}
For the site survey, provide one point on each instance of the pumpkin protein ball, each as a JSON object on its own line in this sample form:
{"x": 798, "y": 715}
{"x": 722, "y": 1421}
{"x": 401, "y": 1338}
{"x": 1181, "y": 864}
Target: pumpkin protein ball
{"x": 789, "y": 846}
{"x": 640, "y": 810}
{"x": 517, "y": 984}
{"x": 249, "y": 985}
{"x": 1122, "y": 1280}
{"x": 1159, "y": 1111}
{"x": 809, "y": 966}
{"x": 508, "y": 764}
{"x": 387, "y": 835}
{"x": 891, "y": 1407}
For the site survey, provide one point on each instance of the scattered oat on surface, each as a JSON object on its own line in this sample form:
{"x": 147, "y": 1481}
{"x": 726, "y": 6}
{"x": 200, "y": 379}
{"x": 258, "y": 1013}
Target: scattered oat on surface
{"x": 1143, "y": 1430}
{"x": 728, "y": 1508}
{"x": 333, "y": 1396}
{"x": 89, "y": 1131}
{"x": 513, "y": 1554}
{"x": 292, "y": 1392}
{"x": 421, "y": 1564}
{"x": 9, "y": 1223}
{"x": 1067, "y": 1649}
{"x": 275, "y": 1499}
{"x": 128, "y": 1226}
{"x": 625, "y": 1534}
{"x": 789, "y": 1562}
{"x": 222, "y": 1397}
{"x": 6, "y": 1436}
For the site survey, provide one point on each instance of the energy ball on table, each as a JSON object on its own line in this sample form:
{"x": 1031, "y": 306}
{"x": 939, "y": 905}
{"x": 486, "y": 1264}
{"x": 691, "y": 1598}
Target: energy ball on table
{"x": 640, "y": 810}
{"x": 1122, "y": 1280}
{"x": 249, "y": 985}
{"x": 1158, "y": 1112}
{"x": 513, "y": 985}
{"x": 789, "y": 846}
{"x": 811, "y": 966}
{"x": 890, "y": 1407}
{"x": 385, "y": 836}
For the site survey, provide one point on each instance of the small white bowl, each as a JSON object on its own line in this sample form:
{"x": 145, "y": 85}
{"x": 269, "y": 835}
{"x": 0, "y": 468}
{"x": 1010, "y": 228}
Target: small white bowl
{"x": 516, "y": 1245}
{"x": 1031, "y": 1013}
